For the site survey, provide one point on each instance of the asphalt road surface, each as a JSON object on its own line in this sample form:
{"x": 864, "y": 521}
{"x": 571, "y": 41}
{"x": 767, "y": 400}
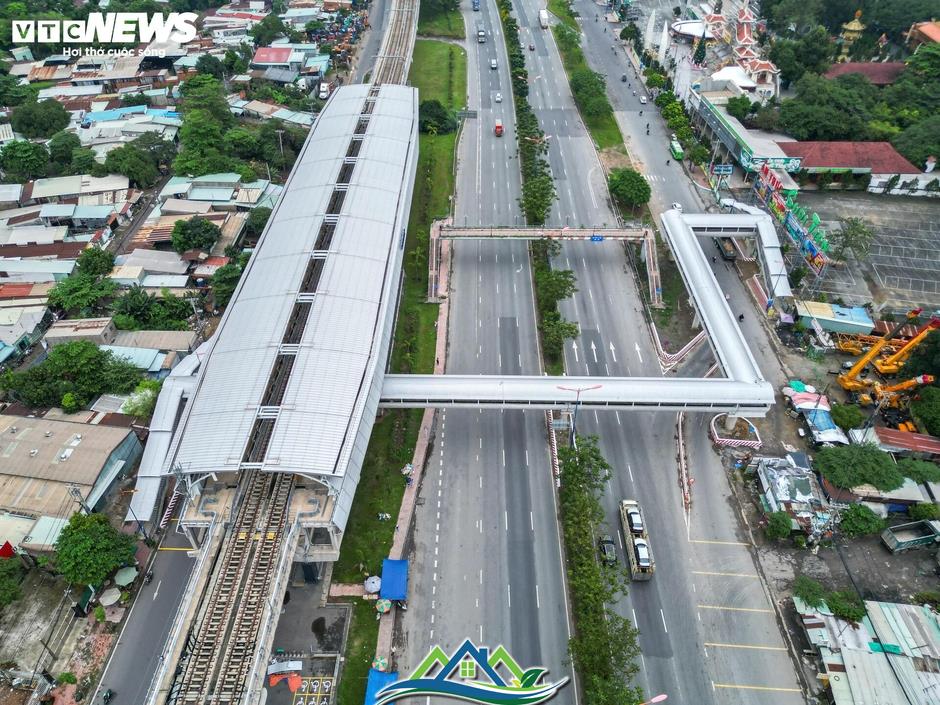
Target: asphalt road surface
{"x": 707, "y": 632}
{"x": 136, "y": 656}
{"x": 487, "y": 561}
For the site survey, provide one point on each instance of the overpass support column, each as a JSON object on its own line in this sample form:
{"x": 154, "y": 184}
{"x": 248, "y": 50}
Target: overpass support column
{"x": 731, "y": 421}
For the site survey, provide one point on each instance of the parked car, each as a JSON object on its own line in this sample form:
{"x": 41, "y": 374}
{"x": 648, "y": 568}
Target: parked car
{"x": 607, "y": 550}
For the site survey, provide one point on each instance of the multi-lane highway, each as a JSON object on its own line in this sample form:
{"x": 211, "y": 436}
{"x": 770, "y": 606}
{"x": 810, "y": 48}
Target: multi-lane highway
{"x": 707, "y": 631}
{"x": 487, "y": 562}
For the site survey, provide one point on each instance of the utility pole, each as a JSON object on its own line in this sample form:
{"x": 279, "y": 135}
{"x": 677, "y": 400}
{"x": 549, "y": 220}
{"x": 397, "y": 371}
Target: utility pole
{"x": 76, "y": 493}
{"x": 280, "y": 140}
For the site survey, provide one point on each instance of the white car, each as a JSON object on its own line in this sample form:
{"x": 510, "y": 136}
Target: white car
{"x": 642, "y": 100}
{"x": 492, "y": 63}
{"x": 677, "y": 206}
{"x": 498, "y": 97}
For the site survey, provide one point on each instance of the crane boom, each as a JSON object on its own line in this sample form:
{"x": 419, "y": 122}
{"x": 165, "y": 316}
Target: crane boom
{"x": 849, "y": 380}
{"x": 891, "y": 364}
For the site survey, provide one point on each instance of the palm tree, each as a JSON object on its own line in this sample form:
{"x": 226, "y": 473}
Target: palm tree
{"x": 136, "y": 303}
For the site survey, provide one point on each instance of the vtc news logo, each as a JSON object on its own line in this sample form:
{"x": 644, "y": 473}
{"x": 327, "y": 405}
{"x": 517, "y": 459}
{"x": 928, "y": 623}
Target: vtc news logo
{"x": 108, "y": 28}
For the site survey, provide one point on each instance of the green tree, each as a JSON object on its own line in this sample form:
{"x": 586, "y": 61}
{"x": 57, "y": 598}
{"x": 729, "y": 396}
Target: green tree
{"x": 161, "y": 151}
{"x": 630, "y": 32}
{"x": 826, "y": 109}
{"x": 81, "y": 293}
{"x": 628, "y": 187}
{"x": 793, "y": 16}
{"x": 925, "y": 511}
{"x": 136, "y": 164}
{"x": 741, "y": 106}
{"x": 11, "y": 575}
{"x": 555, "y": 285}
{"x": 67, "y": 678}
{"x": 12, "y": 93}
{"x": 855, "y": 235}
{"x": 78, "y": 367}
{"x": 209, "y": 64}
{"x": 89, "y": 548}
{"x": 556, "y": 330}
{"x": 195, "y": 234}
{"x": 206, "y": 93}
{"x": 925, "y": 360}
{"x": 95, "y": 262}
{"x": 42, "y": 119}
{"x": 82, "y": 161}
{"x": 61, "y": 147}
{"x": 136, "y": 303}
{"x": 589, "y": 92}
{"x": 854, "y": 465}
{"x": 655, "y": 81}
{"x": 927, "y": 407}
{"x": 779, "y": 526}
{"x": 538, "y": 193}
{"x": 809, "y": 590}
{"x": 224, "y": 282}
{"x": 847, "y": 416}
{"x": 859, "y": 520}
{"x": 257, "y": 219}
{"x": 698, "y": 57}
{"x": 267, "y": 30}
{"x": 846, "y": 605}
{"x": 919, "y": 141}
{"x": 24, "y": 160}
{"x": 434, "y": 117}
{"x": 242, "y": 142}
{"x": 920, "y": 471}
{"x": 143, "y": 399}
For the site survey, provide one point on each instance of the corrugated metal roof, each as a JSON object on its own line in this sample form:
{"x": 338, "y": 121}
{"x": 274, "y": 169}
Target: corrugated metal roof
{"x": 333, "y": 369}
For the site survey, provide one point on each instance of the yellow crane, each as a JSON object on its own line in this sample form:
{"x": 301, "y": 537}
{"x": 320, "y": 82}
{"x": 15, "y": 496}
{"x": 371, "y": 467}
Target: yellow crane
{"x": 890, "y": 395}
{"x": 849, "y": 380}
{"x": 892, "y": 364}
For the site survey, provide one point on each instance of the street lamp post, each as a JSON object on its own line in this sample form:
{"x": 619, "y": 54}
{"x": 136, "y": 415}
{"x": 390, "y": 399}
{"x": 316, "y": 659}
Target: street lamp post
{"x": 577, "y": 404}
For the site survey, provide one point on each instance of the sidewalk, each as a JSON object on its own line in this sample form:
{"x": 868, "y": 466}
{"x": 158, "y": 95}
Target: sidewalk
{"x": 422, "y": 447}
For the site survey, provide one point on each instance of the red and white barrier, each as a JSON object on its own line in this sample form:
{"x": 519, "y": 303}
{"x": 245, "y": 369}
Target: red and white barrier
{"x": 734, "y": 442}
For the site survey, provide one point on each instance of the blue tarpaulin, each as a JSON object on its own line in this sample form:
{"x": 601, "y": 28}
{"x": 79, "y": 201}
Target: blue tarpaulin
{"x": 377, "y": 681}
{"x": 394, "y": 579}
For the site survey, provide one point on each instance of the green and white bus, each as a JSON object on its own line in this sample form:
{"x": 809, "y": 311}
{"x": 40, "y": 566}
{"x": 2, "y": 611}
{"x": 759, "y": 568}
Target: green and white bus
{"x": 676, "y": 150}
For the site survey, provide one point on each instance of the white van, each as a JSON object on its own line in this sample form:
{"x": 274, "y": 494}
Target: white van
{"x": 324, "y": 90}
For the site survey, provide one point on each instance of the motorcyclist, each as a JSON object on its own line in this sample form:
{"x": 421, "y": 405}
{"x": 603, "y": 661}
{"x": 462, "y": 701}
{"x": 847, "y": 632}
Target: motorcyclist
{"x": 107, "y": 695}
{"x": 667, "y": 162}
{"x": 740, "y": 318}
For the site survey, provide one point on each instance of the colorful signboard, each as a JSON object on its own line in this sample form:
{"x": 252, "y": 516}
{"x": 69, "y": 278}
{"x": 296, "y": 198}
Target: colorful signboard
{"x": 803, "y": 228}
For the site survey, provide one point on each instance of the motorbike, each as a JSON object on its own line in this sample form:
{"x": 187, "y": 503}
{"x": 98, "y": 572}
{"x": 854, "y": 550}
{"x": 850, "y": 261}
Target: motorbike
{"x": 107, "y": 695}
{"x": 148, "y": 576}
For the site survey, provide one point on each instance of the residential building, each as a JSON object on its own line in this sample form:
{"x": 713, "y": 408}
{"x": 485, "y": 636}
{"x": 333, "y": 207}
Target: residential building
{"x": 899, "y": 443}
{"x": 880, "y": 161}
{"x": 156, "y": 364}
{"x": 181, "y": 342}
{"x": 100, "y": 331}
{"x": 834, "y": 318}
{"x": 789, "y": 485}
{"x": 923, "y": 33}
{"x": 891, "y": 656}
{"x": 34, "y": 271}
{"x": 154, "y": 261}
{"x": 67, "y": 188}
{"x": 20, "y": 328}
{"x": 45, "y": 458}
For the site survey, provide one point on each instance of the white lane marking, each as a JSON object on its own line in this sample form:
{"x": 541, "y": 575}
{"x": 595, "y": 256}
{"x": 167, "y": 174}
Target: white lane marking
{"x": 537, "y": 604}
{"x": 504, "y": 457}
{"x": 531, "y": 521}
{"x": 481, "y": 576}
{"x": 664, "y": 620}
{"x": 630, "y": 470}
{"x": 508, "y": 597}
{"x": 613, "y": 352}
{"x": 506, "y": 519}
{"x": 637, "y": 347}
{"x": 527, "y": 456}
{"x": 617, "y": 414}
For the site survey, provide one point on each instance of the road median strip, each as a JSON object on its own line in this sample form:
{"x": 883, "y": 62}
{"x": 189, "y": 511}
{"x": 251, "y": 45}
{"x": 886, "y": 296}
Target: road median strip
{"x": 755, "y": 647}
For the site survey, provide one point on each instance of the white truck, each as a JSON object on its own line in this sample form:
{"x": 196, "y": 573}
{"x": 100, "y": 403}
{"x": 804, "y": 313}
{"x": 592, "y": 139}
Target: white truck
{"x": 543, "y": 18}
{"x": 636, "y": 540}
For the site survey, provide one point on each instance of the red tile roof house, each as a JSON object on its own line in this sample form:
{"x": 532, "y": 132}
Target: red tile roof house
{"x": 879, "y": 73}
{"x": 879, "y": 161}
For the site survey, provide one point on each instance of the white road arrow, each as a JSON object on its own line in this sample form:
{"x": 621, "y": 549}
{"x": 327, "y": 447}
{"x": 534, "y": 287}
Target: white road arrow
{"x": 594, "y": 350}
{"x": 613, "y": 352}
{"x": 637, "y": 346}
{"x": 574, "y": 345}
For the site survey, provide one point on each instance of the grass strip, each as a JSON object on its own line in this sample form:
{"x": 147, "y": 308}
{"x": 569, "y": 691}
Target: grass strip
{"x": 367, "y": 541}
{"x": 562, "y": 10}
{"x": 360, "y": 650}
{"x": 440, "y": 24}
{"x": 588, "y": 89}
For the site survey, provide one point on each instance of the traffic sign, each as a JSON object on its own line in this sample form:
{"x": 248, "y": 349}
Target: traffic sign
{"x": 723, "y": 169}
{"x": 597, "y": 238}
